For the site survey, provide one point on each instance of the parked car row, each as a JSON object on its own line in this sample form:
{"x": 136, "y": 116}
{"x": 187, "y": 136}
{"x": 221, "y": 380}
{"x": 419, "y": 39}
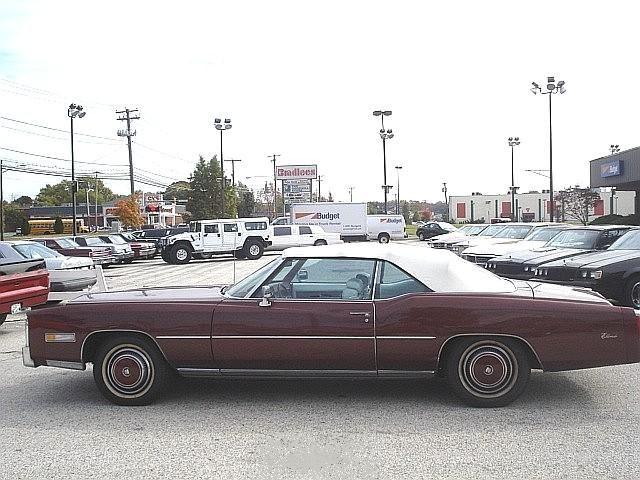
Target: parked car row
{"x": 24, "y": 283}
{"x": 604, "y": 258}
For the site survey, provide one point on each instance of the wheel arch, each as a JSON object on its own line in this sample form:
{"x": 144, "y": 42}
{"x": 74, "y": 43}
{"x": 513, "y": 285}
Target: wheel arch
{"x": 450, "y": 342}
{"x": 185, "y": 243}
{"x": 252, "y": 238}
{"x": 92, "y": 342}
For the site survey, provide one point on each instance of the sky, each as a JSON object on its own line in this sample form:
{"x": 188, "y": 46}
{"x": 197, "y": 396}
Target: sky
{"x": 301, "y": 79}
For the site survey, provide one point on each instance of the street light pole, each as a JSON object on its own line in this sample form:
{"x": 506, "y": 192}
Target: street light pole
{"x": 72, "y": 112}
{"x": 552, "y": 88}
{"x": 398, "y": 168}
{"x": 384, "y": 135}
{"x": 513, "y": 141}
{"x": 222, "y": 127}
{"x": 95, "y": 220}
{"x": 350, "y": 193}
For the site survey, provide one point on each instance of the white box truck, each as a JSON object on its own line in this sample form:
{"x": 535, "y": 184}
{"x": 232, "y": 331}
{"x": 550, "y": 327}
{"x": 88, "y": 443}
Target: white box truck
{"x": 347, "y": 219}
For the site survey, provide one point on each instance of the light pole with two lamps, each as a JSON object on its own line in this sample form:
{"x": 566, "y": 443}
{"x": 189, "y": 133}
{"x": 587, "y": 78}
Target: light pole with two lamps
{"x": 384, "y": 135}
{"x": 552, "y": 88}
{"x": 614, "y": 149}
{"x": 72, "y": 112}
{"x": 222, "y": 126}
{"x": 513, "y": 142}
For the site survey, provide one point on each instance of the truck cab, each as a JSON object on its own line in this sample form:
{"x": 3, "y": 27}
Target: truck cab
{"x": 244, "y": 237}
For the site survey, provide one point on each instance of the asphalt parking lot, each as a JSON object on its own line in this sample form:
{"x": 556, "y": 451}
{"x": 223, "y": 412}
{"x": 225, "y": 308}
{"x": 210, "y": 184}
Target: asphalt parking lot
{"x": 55, "y": 424}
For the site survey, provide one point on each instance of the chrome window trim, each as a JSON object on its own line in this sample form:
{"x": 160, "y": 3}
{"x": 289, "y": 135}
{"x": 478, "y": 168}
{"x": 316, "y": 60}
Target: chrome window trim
{"x": 489, "y": 335}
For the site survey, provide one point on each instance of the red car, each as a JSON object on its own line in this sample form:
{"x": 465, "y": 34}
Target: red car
{"x": 339, "y": 311}
{"x": 66, "y": 246}
{"x": 23, "y": 284}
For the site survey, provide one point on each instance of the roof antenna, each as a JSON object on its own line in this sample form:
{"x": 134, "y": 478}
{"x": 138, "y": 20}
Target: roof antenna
{"x": 235, "y": 253}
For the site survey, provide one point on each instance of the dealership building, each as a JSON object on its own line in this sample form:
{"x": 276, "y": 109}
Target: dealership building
{"x": 620, "y": 173}
{"x": 532, "y": 206}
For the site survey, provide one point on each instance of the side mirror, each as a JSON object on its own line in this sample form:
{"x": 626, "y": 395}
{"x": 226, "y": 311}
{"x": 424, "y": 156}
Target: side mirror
{"x": 267, "y": 295}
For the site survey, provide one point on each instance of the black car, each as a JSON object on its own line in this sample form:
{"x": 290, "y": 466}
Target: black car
{"x": 566, "y": 244}
{"x": 155, "y": 234}
{"x": 432, "y": 229}
{"x": 614, "y": 273}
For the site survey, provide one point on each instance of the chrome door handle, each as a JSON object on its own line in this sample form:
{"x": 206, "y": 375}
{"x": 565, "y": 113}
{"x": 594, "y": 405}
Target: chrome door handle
{"x": 366, "y": 315}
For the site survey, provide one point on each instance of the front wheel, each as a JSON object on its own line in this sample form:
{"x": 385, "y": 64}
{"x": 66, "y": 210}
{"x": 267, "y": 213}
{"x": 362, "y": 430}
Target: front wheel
{"x": 421, "y": 236}
{"x": 3, "y": 317}
{"x": 253, "y": 249}
{"x": 129, "y": 371}
{"x": 180, "y": 254}
{"x": 488, "y": 372}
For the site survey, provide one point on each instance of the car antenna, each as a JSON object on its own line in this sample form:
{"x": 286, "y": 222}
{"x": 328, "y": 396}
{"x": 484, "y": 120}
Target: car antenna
{"x": 235, "y": 254}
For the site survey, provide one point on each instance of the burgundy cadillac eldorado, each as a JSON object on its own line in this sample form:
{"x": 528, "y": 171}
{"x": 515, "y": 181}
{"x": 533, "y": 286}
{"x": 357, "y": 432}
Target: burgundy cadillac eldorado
{"x": 339, "y": 311}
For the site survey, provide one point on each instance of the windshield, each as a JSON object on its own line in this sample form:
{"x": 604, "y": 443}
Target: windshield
{"x": 629, "y": 241}
{"x": 491, "y": 230}
{"x": 585, "y": 239}
{"x": 67, "y": 243}
{"x": 514, "y": 231}
{"x": 35, "y": 250}
{"x": 128, "y": 236}
{"x": 543, "y": 234}
{"x": 116, "y": 239}
{"x": 474, "y": 229}
{"x": 94, "y": 241}
{"x": 245, "y": 286}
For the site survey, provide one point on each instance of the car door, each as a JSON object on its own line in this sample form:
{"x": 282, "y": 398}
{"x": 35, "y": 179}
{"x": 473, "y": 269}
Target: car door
{"x": 231, "y": 236}
{"x": 306, "y": 236}
{"x": 211, "y": 237}
{"x": 320, "y": 319}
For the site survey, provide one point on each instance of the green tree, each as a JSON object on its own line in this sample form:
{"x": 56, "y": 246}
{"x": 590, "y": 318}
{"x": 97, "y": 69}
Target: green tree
{"x": 178, "y": 190}
{"x": 246, "y": 201}
{"x": 205, "y": 199}
{"x": 406, "y": 213}
{"x": 14, "y": 216}
{"x": 58, "y": 226}
{"x": 577, "y": 203}
{"x": 60, "y": 193}
{"x": 23, "y": 201}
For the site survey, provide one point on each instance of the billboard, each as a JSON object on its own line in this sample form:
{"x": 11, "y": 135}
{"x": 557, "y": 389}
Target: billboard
{"x": 296, "y": 172}
{"x": 611, "y": 169}
{"x": 296, "y": 191}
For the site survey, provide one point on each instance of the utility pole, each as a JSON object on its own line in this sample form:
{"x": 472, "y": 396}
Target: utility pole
{"x": 319, "y": 185}
{"x": 350, "y": 193}
{"x": 233, "y": 170}
{"x": 128, "y": 133}
{"x": 96, "y": 210}
{"x": 446, "y": 199}
{"x": 2, "y": 206}
{"x": 275, "y": 184}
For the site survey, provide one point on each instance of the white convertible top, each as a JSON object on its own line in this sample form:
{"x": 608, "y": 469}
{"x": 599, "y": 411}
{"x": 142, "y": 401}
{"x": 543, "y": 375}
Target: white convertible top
{"x": 440, "y": 270}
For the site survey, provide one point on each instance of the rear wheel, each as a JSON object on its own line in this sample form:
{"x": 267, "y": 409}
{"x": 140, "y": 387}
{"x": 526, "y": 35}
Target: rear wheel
{"x": 384, "y": 238}
{"x": 129, "y": 370}
{"x": 488, "y": 372}
{"x": 632, "y": 292}
{"x": 165, "y": 256}
{"x": 320, "y": 242}
{"x": 180, "y": 254}
{"x": 253, "y": 249}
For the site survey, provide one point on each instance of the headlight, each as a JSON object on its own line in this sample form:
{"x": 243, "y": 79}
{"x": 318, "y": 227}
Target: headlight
{"x": 526, "y": 269}
{"x": 584, "y": 274}
{"x": 595, "y": 274}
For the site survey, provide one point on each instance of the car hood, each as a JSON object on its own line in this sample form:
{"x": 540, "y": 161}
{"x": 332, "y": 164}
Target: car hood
{"x": 447, "y": 237}
{"x": 543, "y": 255}
{"x": 499, "y": 249}
{"x": 549, "y": 291}
{"x": 63, "y": 263}
{"x": 599, "y": 259}
{"x": 155, "y": 295}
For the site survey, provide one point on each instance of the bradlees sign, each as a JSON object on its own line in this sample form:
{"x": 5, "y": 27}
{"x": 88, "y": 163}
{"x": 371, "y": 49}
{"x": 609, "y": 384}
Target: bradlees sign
{"x": 296, "y": 172}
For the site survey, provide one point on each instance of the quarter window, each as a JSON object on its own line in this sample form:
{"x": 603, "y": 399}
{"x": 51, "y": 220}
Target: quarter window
{"x": 395, "y": 282}
{"x": 255, "y": 225}
{"x": 281, "y": 231}
{"x": 304, "y": 230}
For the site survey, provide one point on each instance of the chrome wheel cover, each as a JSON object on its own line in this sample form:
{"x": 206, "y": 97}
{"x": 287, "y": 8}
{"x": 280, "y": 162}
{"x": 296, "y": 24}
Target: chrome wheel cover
{"x": 182, "y": 254}
{"x": 488, "y": 369}
{"x": 254, "y": 250}
{"x": 635, "y": 295}
{"x": 127, "y": 371}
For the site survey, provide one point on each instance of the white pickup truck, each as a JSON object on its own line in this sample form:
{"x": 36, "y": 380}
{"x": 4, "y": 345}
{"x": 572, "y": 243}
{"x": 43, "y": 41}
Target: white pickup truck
{"x": 244, "y": 237}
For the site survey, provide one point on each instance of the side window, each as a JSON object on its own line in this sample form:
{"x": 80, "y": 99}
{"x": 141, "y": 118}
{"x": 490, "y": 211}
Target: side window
{"x": 211, "y": 228}
{"x": 395, "y": 282}
{"x": 50, "y": 243}
{"x": 281, "y": 231}
{"x": 230, "y": 227}
{"x": 322, "y": 279}
{"x": 255, "y": 225}
{"x": 305, "y": 230}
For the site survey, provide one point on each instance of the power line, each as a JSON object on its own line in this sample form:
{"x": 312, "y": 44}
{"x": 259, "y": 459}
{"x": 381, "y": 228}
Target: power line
{"x": 54, "y": 138}
{"x": 57, "y": 129}
{"x": 60, "y": 159}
